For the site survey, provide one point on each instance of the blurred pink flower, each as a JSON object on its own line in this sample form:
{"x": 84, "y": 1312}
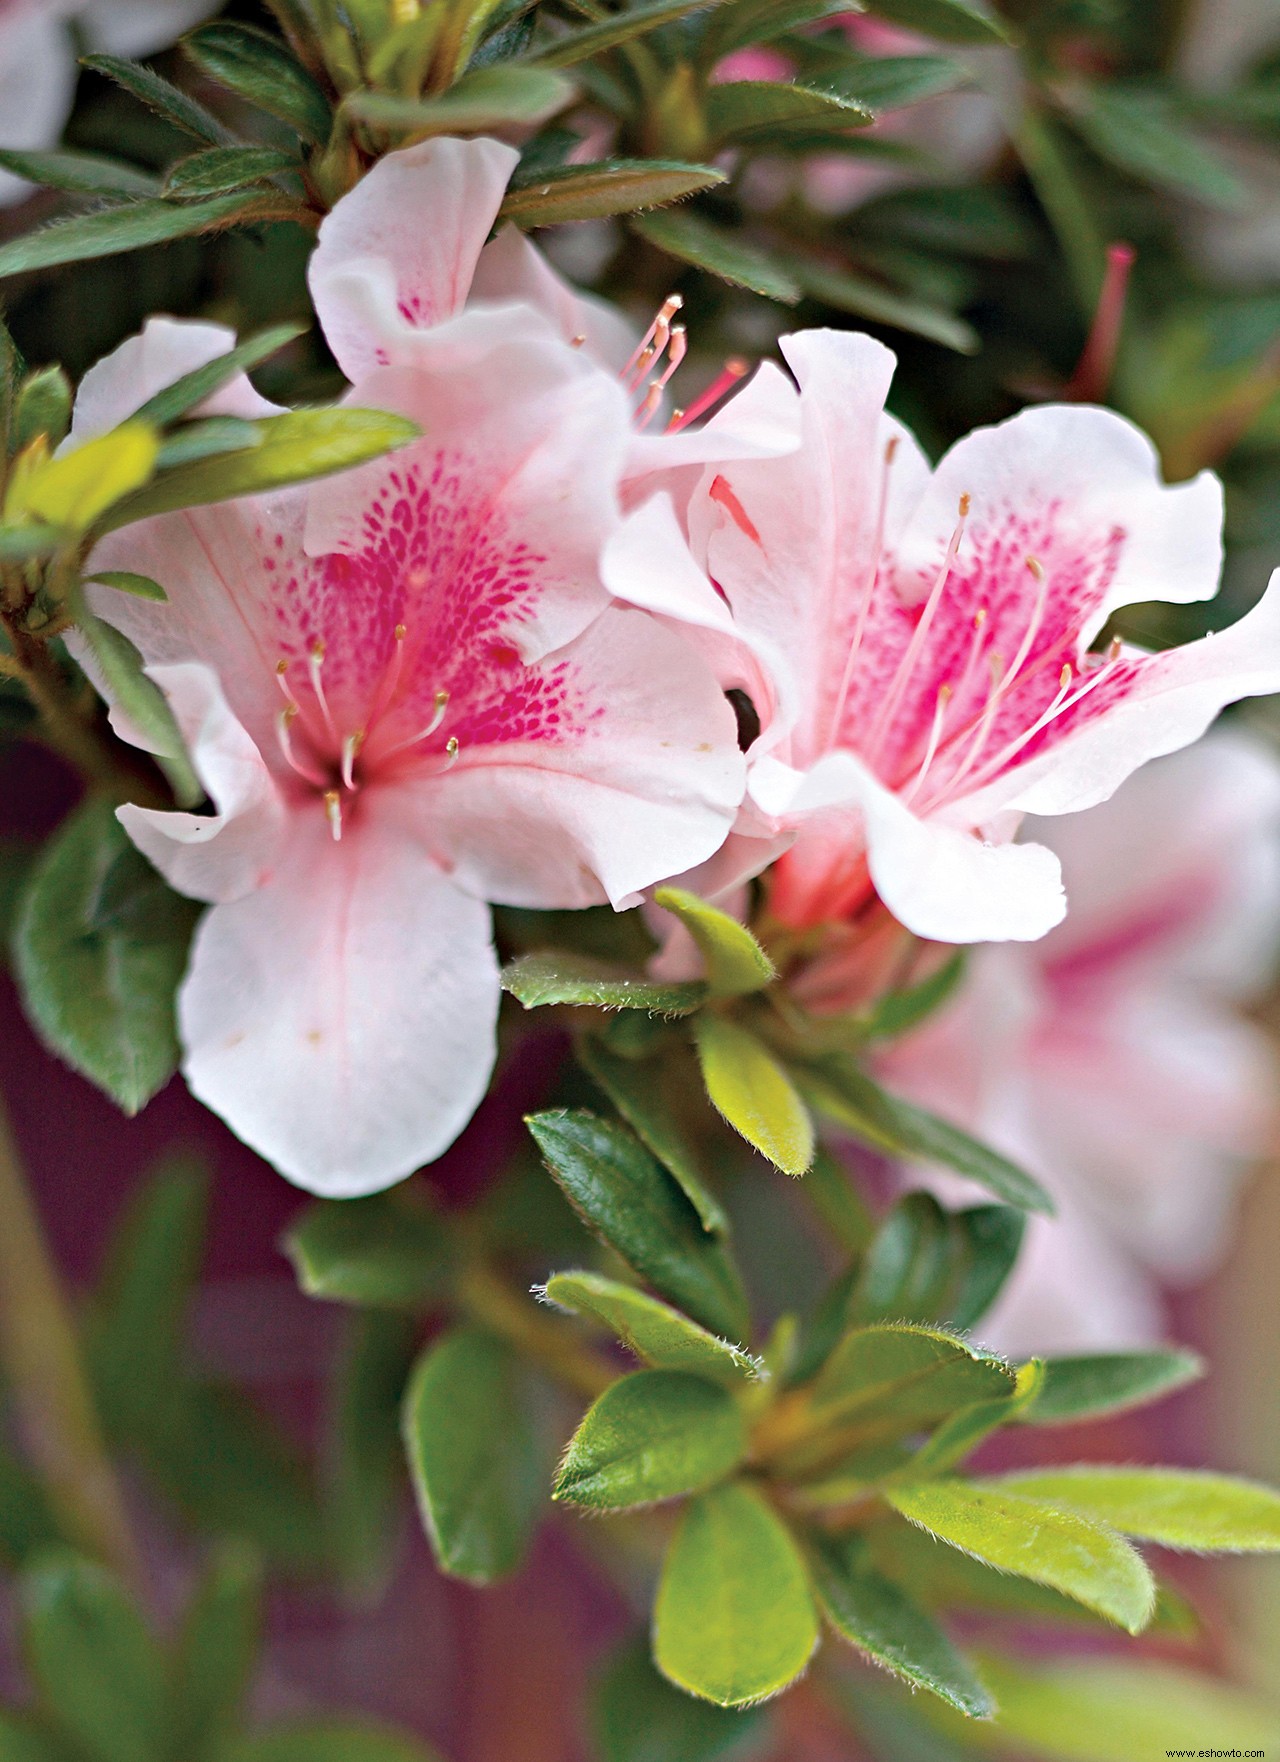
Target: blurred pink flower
{"x": 408, "y": 693}
{"x": 1110, "y": 1057}
{"x": 38, "y": 59}
{"x": 918, "y": 643}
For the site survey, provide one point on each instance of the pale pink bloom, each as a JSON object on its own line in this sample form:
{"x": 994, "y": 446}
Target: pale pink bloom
{"x": 918, "y": 644}
{"x": 38, "y": 59}
{"x": 408, "y": 694}
{"x": 1110, "y": 1059}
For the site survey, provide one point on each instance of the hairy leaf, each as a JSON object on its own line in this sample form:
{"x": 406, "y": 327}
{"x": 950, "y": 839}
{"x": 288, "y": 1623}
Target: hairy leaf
{"x": 654, "y": 1435}
{"x": 85, "y": 174}
{"x": 1094, "y": 1384}
{"x": 735, "y": 962}
{"x": 490, "y": 97}
{"x": 596, "y": 191}
{"x": 652, "y": 1330}
{"x": 560, "y": 977}
{"x": 1177, "y": 1507}
{"x": 693, "y": 239}
{"x": 257, "y": 68}
{"x": 754, "y": 1093}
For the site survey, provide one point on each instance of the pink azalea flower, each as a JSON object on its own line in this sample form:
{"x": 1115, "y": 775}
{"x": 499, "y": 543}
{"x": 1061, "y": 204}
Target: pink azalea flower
{"x": 1109, "y": 1057}
{"x": 919, "y": 644}
{"x": 408, "y": 694}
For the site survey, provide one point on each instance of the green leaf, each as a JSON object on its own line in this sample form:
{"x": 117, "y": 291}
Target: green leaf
{"x": 131, "y": 225}
{"x": 1061, "y": 1549}
{"x": 185, "y": 395}
{"x": 204, "y": 440}
{"x": 591, "y": 40}
{"x": 559, "y": 977}
{"x": 366, "y": 1457}
{"x": 141, "y": 586}
{"x": 102, "y": 997}
{"x": 218, "y": 169}
{"x": 383, "y": 1250}
{"x": 42, "y": 407}
{"x": 87, "y": 174}
{"x": 1177, "y": 1507}
{"x": 952, "y": 21}
{"x": 988, "y": 1238}
{"x": 832, "y": 1193}
{"x": 491, "y": 97}
{"x": 692, "y": 239}
{"x": 1109, "y": 1382}
{"x": 217, "y": 1653}
{"x": 260, "y": 70}
{"x": 10, "y": 380}
{"x": 26, "y": 1522}
{"x": 652, "y": 1330}
{"x": 638, "y": 1716}
{"x": 755, "y": 110}
{"x": 1099, "y": 1710}
{"x": 735, "y": 962}
{"x": 295, "y": 447}
{"x": 754, "y": 1093}
{"x": 74, "y": 488}
{"x": 651, "y": 1110}
{"x": 880, "y": 1619}
{"x": 743, "y": 22}
{"x": 330, "y": 1740}
{"x": 958, "y": 1436}
{"x": 897, "y": 1012}
{"x": 906, "y": 1374}
{"x": 734, "y": 1620}
{"x": 21, "y": 1740}
{"x": 162, "y": 97}
{"x": 599, "y": 190}
{"x": 96, "y": 1670}
{"x": 654, "y": 1435}
{"x": 849, "y": 292}
{"x": 472, "y": 1455}
{"x": 1137, "y": 129}
{"x": 140, "y": 1310}
{"x": 907, "y": 1268}
{"x": 25, "y": 544}
{"x": 887, "y": 82}
{"x": 841, "y": 1089}
{"x": 120, "y": 667}
{"x": 627, "y": 1199}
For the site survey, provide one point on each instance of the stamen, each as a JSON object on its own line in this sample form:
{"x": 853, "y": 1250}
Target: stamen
{"x": 884, "y": 721}
{"x": 282, "y": 668}
{"x": 452, "y": 749}
{"x": 661, "y": 324}
{"x": 390, "y": 678}
{"x": 1059, "y": 707}
{"x": 315, "y": 660}
{"x": 868, "y": 592}
{"x": 284, "y": 721}
{"x": 935, "y": 734}
{"x": 333, "y": 810}
{"x": 577, "y": 342}
{"x": 350, "y": 748}
{"x": 719, "y": 388}
{"x": 437, "y": 717}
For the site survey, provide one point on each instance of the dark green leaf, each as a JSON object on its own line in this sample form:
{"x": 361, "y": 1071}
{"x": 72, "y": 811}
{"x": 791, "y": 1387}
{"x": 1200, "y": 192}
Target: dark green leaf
{"x": 103, "y": 999}
{"x": 1108, "y": 1382}
{"x": 899, "y": 1011}
{"x": 162, "y": 97}
{"x": 299, "y": 445}
{"x": 260, "y": 70}
{"x": 22, "y": 1740}
{"x": 652, "y": 1330}
{"x": 986, "y": 1241}
{"x": 10, "y": 379}
{"x": 655, "y": 1435}
{"x": 907, "y": 1268}
{"x": 472, "y": 1456}
{"x": 132, "y": 225}
{"x": 880, "y": 1619}
{"x": 831, "y": 1191}
{"x": 26, "y": 1522}
{"x": 591, "y": 40}
{"x": 596, "y": 191}
{"x": 1061, "y": 1549}
{"x": 216, "y": 1653}
{"x": 626, "y": 1197}
{"x": 849, "y": 292}
{"x": 195, "y": 388}
{"x": 1177, "y": 1507}
{"x": 638, "y": 1716}
{"x": 754, "y": 1093}
{"x": 1137, "y": 129}
{"x": 652, "y": 1111}
{"x": 559, "y": 977}
{"x": 750, "y": 110}
{"x": 121, "y": 670}
{"x": 217, "y": 169}
{"x": 840, "y": 1088}
{"x": 734, "y": 1619}
{"x": 97, "y": 1672}
{"x": 952, "y": 21}
{"x": 366, "y": 1456}
{"x": 382, "y": 1250}
{"x": 720, "y": 252}
{"x": 42, "y": 407}
{"x": 88, "y": 174}
{"x": 887, "y": 82}
{"x": 744, "y": 22}
{"x": 491, "y": 97}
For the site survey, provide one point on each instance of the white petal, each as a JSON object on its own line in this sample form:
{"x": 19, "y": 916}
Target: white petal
{"x": 140, "y": 27}
{"x": 341, "y": 1019}
{"x": 164, "y": 350}
{"x": 396, "y": 255}
{"x": 224, "y": 855}
{"x": 512, "y": 268}
{"x": 37, "y": 83}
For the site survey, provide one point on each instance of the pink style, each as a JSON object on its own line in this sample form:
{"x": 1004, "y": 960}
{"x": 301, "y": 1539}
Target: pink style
{"x": 408, "y": 693}
{"x": 923, "y": 646}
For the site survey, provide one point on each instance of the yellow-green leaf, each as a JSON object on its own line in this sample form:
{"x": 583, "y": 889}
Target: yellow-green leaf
{"x": 75, "y": 488}
{"x": 754, "y": 1093}
{"x": 654, "y": 1435}
{"x": 1177, "y": 1507}
{"x": 735, "y": 962}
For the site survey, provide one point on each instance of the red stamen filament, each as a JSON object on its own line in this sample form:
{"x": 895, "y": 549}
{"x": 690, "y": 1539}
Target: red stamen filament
{"x": 719, "y": 388}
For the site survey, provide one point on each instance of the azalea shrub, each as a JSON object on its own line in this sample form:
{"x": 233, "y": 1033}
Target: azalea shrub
{"x": 677, "y": 600}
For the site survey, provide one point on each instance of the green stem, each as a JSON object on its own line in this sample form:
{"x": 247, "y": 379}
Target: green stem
{"x": 534, "y": 1334}
{"x": 41, "y": 1357}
